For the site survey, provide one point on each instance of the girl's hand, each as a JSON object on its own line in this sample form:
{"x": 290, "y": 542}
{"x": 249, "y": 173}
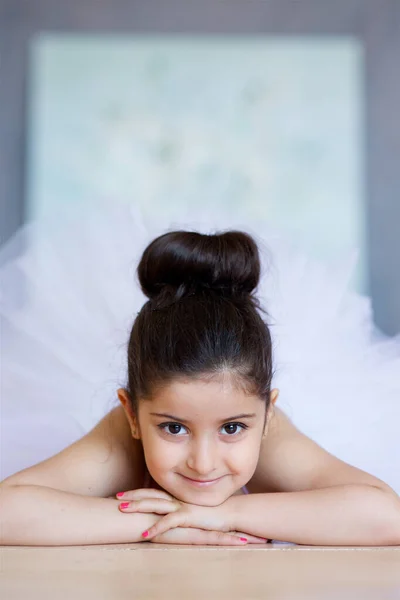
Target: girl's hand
{"x": 193, "y": 536}
{"x": 178, "y": 514}
{"x": 148, "y": 500}
{"x": 160, "y": 502}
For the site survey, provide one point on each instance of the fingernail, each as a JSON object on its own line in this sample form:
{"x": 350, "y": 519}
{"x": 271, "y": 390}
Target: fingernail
{"x": 243, "y": 539}
{"x": 120, "y": 494}
{"x": 145, "y": 534}
{"x": 124, "y": 505}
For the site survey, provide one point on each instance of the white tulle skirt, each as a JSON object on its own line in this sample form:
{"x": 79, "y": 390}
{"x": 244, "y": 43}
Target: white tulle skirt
{"x": 69, "y": 295}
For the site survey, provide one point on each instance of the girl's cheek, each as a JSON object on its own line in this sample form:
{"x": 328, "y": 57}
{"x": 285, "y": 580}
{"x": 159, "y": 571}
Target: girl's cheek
{"x": 245, "y": 460}
{"x": 164, "y": 455}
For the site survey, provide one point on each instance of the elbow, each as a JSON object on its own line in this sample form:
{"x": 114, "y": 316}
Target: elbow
{"x": 12, "y": 505}
{"x": 389, "y": 524}
{"x": 393, "y": 534}
{"x": 6, "y": 517}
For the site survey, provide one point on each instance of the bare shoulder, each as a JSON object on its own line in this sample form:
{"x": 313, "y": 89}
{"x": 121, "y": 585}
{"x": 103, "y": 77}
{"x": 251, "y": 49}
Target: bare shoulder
{"x": 290, "y": 461}
{"x": 103, "y": 462}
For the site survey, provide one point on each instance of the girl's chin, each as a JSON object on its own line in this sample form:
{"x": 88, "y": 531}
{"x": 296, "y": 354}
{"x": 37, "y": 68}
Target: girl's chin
{"x": 199, "y": 501}
{"x": 201, "y": 498}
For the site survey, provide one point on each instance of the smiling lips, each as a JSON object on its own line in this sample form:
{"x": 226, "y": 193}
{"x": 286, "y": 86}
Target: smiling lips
{"x": 201, "y": 482}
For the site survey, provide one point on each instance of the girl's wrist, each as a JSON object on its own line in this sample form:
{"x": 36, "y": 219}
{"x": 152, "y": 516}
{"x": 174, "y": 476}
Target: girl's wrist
{"x": 230, "y": 510}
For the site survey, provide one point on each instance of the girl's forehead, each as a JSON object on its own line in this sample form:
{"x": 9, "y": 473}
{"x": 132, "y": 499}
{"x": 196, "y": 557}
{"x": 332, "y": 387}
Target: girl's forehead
{"x": 219, "y": 395}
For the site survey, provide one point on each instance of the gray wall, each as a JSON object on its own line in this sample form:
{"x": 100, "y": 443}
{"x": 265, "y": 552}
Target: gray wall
{"x": 375, "y": 22}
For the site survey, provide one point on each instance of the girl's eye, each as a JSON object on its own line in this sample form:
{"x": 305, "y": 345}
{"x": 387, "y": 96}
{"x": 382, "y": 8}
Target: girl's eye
{"x": 173, "y": 428}
{"x": 233, "y": 428}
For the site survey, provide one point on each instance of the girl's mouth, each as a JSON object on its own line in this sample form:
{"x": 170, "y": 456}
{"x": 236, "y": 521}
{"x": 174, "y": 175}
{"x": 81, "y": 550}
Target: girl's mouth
{"x": 201, "y": 482}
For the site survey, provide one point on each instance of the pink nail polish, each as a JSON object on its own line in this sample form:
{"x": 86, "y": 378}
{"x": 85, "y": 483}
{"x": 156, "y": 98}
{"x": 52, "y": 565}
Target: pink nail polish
{"x": 124, "y": 505}
{"x": 145, "y": 534}
{"x": 243, "y": 539}
{"x": 120, "y": 494}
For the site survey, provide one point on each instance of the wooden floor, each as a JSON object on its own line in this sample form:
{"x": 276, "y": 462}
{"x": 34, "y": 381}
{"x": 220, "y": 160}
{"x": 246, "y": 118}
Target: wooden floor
{"x": 273, "y": 571}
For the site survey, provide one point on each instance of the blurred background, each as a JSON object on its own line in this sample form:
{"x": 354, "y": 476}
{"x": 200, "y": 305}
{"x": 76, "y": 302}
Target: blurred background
{"x": 285, "y": 110}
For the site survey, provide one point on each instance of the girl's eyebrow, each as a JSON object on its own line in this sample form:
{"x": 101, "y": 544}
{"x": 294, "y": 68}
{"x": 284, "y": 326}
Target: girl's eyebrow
{"x": 173, "y": 418}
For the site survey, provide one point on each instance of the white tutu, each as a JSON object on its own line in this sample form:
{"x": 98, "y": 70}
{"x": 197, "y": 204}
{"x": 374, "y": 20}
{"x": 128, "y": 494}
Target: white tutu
{"x": 69, "y": 296}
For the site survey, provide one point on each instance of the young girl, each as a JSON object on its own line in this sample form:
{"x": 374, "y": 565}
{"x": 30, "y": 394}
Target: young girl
{"x": 197, "y": 452}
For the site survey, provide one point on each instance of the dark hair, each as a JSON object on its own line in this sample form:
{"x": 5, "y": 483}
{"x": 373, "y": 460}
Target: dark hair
{"x": 202, "y": 318}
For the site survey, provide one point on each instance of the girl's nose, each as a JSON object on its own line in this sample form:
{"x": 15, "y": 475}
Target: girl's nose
{"x": 201, "y": 458}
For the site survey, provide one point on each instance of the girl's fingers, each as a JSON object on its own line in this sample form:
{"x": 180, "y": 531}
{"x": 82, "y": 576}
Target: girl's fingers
{"x": 149, "y": 505}
{"x": 143, "y": 493}
{"x": 170, "y": 521}
{"x": 252, "y": 539}
{"x": 219, "y": 538}
{"x": 192, "y": 536}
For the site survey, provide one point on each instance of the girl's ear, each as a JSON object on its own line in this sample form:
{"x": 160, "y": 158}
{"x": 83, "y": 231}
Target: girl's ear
{"x": 273, "y": 398}
{"x": 274, "y": 395}
{"x": 125, "y": 400}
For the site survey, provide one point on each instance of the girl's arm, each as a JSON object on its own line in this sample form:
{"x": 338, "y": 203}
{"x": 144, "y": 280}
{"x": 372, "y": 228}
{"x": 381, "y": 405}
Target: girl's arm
{"x": 343, "y": 515}
{"x": 32, "y": 515}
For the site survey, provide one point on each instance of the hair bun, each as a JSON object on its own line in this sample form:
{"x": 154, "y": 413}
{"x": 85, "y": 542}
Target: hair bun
{"x": 185, "y": 261}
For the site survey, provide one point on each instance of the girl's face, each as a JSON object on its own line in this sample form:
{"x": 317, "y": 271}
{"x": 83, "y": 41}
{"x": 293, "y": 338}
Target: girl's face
{"x": 201, "y": 439}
